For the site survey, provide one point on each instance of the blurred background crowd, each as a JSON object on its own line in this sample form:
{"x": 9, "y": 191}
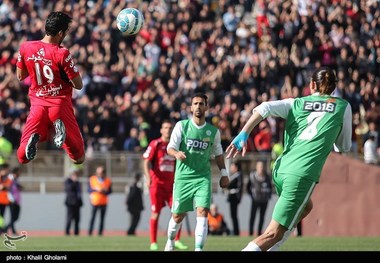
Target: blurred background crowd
{"x": 240, "y": 53}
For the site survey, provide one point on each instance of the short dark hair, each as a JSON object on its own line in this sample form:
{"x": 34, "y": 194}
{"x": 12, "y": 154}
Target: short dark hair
{"x": 57, "y": 21}
{"x": 200, "y": 95}
{"x": 167, "y": 121}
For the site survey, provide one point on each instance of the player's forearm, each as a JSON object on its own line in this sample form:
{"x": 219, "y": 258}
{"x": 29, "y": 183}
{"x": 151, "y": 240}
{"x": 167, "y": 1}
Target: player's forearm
{"x": 77, "y": 82}
{"x": 178, "y": 155}
{"x": 220, "y": 162}
{"x": 172, "y": 152}
{"x": 146, "y": 167}
{"x": 255, "y": 119}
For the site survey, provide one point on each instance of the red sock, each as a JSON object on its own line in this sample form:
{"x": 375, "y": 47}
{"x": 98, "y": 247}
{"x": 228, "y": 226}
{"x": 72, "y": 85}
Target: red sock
{"x": 153, "y": 230}
{"x": 178, "y": 234}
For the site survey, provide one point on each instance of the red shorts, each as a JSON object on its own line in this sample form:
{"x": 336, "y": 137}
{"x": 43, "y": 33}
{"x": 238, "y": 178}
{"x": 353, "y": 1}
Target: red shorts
{"x": 160, "y": 197}
{"x": 40, "y": 120}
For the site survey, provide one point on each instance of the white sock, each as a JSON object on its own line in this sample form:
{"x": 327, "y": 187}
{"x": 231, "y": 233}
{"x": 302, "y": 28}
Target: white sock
{"x": 173, "y": 228}
{"x": 169, "y": 245}
{"x": 276, "y": 247}
{"x": 201, "y": 231}
{"x": 251, "y": 247}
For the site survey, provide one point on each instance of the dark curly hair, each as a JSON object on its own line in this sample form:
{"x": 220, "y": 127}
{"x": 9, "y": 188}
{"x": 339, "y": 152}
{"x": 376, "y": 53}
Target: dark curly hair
{"x": 57, "y": 21}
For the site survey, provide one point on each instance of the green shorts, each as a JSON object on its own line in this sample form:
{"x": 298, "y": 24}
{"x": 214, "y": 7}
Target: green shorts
{"x": 189, "y": 194}
{"x": 294, "y": 192}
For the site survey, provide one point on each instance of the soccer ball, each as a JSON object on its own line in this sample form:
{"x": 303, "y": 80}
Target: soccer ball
{"x": 129, "y": 21}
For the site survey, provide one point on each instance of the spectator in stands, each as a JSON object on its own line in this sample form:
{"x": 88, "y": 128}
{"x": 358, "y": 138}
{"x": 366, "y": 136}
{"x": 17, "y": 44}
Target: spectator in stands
{"x": 6, "y": 149}
{"x": 371, "y": 155}
{"x": 373, "y": 131}
{"x": 132, "y": 145}
{"x": 99, "y": 187}
{"x": 263, "y": 139}
{"x": 216, "y": 223}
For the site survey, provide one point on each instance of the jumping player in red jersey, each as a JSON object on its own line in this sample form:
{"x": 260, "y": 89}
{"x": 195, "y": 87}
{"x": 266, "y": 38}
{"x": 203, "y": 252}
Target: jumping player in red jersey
{"x": 53, "y": 75}
{"x": 159, "y": 173}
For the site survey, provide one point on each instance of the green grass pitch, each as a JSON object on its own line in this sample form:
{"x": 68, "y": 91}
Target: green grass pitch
{"x": 213, "y": 243}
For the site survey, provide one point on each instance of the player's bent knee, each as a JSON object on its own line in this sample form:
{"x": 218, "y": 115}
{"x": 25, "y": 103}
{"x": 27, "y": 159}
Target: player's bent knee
{"x": 178, "y": 218}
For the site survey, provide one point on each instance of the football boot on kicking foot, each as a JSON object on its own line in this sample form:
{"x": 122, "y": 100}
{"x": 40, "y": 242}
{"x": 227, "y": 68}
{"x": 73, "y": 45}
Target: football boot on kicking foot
{"x": 60, "y": 133}
{"x": 31, "y": 147}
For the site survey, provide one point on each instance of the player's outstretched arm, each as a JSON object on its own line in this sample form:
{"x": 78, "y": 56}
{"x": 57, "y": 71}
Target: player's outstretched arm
{"x": 239, "y": 143}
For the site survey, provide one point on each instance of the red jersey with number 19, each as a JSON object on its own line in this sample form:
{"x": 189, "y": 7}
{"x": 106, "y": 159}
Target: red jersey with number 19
{"x": 50, "y": 68}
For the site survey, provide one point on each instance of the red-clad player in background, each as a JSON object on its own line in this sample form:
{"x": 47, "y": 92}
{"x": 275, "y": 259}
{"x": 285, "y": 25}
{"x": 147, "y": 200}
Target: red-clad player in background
{"x": 159, "y": 174}
{"x": 53, "y": 75}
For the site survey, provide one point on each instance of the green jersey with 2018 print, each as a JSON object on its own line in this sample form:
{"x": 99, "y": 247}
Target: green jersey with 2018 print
{"x": 197, "y": 145}
{"x": 313, "y": 125}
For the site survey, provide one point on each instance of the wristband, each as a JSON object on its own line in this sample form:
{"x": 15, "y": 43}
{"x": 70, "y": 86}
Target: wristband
{"x": 223, "y": 173}
{"x": 240, "y": 140}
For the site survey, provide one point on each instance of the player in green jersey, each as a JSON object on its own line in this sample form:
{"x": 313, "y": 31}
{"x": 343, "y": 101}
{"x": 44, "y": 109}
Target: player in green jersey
{"x": 193, "y": 143}
{"x": 315, "y": 125}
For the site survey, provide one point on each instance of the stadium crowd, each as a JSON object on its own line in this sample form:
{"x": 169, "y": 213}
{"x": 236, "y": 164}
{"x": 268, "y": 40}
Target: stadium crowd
{"x": 240, "y": 53}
